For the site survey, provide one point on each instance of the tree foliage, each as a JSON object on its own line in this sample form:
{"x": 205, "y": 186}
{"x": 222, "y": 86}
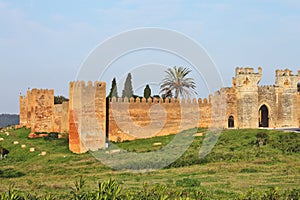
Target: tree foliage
{"x": 127, "y": 91}
{"x": 176, "y": 80}
{"x": 113, "y": 90}
{"x": 147, "y": 92}
{"x": 60, "y": 99}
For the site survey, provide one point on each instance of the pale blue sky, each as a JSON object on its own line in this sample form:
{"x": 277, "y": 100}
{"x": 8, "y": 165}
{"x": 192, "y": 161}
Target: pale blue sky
{"x": 43, "y": 43}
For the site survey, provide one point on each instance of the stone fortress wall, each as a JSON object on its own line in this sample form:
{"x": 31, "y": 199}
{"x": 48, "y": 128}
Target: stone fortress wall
{"x": 89, "y": 116}
{"x": 130, "y": 119}
{"x": 38, "y": 112}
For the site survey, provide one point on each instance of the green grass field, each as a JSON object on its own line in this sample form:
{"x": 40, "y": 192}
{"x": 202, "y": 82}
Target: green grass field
{"x": 235, "y": 165}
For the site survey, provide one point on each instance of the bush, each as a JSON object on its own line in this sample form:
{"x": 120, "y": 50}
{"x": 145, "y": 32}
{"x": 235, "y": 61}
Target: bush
{"x": 187, "y": 182}
{"x": 10, "y": 173}
{"x": 51, "y": 136}
{"x": 261, "y": 138}
{"x": 60, "y": 99}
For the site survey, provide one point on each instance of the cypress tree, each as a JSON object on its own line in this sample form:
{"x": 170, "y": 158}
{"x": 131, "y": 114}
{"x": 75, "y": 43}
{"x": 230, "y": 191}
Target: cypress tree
{"x": 127, "y": 91}
{"x": 113, "y": 90}
{"x": 147, "y": 92}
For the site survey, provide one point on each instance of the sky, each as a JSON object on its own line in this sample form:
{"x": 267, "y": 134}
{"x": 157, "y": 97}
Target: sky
{"x": 44, "y": 43}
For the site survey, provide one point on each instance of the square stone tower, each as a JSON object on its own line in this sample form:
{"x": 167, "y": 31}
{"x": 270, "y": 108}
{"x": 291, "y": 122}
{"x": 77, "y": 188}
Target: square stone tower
{"x": 246, "y": 81}
{"x": 286, "y": 97}
{"x": 87, "y": 116}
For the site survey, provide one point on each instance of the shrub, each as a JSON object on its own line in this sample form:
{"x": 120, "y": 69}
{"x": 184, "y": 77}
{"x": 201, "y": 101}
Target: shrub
{"x": 261, "y": 138}
{"x": 10, "y": 173}
{"x": 11, "y": 194}
{"x": 108, "y": 190}
{"x": 51, "y": 136}
{"x": 187, "y": 182}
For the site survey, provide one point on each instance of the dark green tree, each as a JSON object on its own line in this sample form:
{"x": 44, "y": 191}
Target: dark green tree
{"x": 60, "y": 99}
{"x": 147, "y": 92}
{"x": 113, "y": 90}
{"x": 127, "y": 91}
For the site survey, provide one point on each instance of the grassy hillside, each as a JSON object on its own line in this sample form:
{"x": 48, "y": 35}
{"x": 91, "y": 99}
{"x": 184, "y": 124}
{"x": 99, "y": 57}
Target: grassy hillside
{"x": 236, "y": 164}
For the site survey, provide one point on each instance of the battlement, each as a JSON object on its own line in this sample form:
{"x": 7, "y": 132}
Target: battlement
{"x": 36, "y": 91}
{"x": 145, "y": 101}
{"x": 83, "y": 84}
{"x": 247, "y": 70}
{"x": 227, "y": 90}
{"x": 286, "y": 72}
{"x": 266, "y": 87}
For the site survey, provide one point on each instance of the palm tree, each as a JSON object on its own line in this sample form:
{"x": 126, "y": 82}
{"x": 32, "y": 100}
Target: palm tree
{"x": 176, "y": 80}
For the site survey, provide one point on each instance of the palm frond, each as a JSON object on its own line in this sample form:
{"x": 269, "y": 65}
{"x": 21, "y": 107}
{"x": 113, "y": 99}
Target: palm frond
{"x": 176, "y": 80}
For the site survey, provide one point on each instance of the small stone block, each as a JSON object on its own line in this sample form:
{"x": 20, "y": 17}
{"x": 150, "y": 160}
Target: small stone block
{"x": 114, "y": 151}
{"x": 43, "y": 153}
{"x": 198, "y": 134}
{"x": 31, "y": 149}
{"x": 1, "y": 139}
{"x": 23, "y": 146}
{"x": 16, "y": 142}
{"x": 157, "y": 144}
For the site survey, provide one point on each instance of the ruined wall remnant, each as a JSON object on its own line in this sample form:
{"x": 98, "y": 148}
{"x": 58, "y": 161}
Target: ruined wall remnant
{"x": 87, "y": 116}
{"x": 38, "y": 112}
{"x": 23, "y": 111}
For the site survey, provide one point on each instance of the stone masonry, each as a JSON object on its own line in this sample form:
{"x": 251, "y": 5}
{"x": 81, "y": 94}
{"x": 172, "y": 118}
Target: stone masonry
{"x": 90, "y": 117}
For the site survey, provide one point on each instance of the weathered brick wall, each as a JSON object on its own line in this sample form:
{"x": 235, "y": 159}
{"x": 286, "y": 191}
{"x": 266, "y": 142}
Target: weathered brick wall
{"x": 230, "y": 103}
{"x": 60, "y": 119}
{"x": 87, "y": 115}
{"x": 57, "y": 117}
{"x": 204, "y": 112}
{"x": 42, "y": 110}
{"x": 65, "y": 117}
{"x": 129, "y": 119}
